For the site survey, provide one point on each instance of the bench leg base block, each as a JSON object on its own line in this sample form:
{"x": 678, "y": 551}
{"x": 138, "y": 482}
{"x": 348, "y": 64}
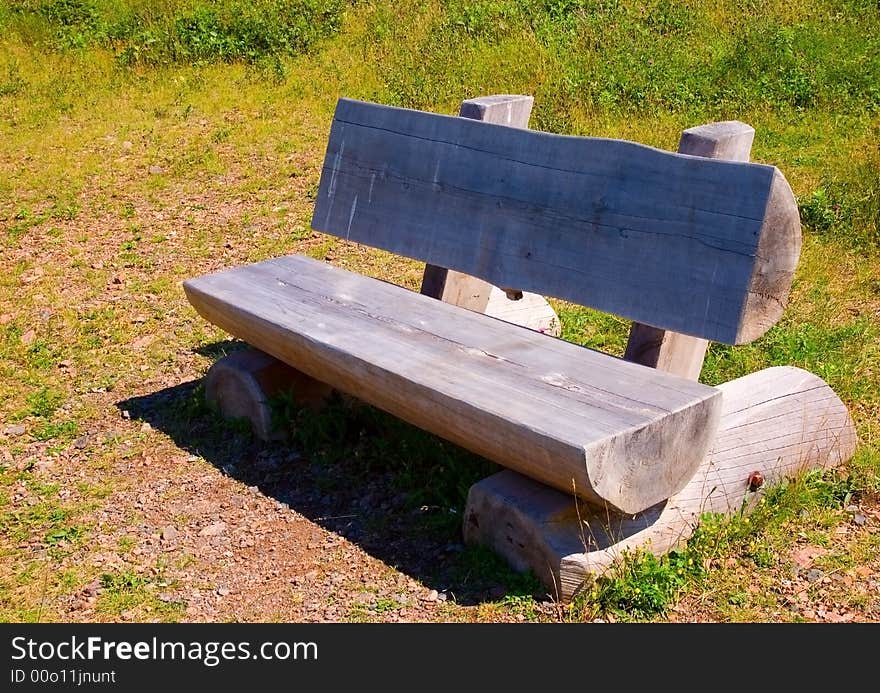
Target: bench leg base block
{"x": 242, "y": 384}
{"x": 775, "y": 424}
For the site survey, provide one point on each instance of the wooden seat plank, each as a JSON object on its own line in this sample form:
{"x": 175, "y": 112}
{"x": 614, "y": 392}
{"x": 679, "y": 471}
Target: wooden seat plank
{"x": 619, "y": 433}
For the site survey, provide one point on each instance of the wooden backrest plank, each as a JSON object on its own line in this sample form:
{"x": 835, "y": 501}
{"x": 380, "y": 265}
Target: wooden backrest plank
{"x": 669, "y": 240}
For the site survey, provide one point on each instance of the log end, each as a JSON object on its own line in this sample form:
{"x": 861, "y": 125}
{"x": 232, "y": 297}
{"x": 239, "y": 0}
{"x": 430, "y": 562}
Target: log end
{"x": 779, "y": 248}
{"x": 632, "y": 473}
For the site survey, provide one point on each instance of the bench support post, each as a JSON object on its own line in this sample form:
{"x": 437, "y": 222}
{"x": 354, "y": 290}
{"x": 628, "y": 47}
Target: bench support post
{"x": 670, "y": 351}
{"x": 241, "y": 385}
{"x": 567, "y": 544}
{"x": 521, "y": 308}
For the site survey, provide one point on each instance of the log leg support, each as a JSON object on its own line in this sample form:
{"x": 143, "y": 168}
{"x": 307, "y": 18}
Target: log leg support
{"x": 241, "y": 385}
{"x": 775, "y": 423}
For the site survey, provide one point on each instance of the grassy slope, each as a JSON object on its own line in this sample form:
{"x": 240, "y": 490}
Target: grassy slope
{"x": 123, "y": 161}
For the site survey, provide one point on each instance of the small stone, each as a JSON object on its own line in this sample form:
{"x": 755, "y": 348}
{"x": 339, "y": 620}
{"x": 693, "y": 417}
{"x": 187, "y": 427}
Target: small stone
{"x": 213, "y": 530}
{"x": 156, "y": 170}
{"x": 145, "y": 427}
{"x": 814, "y": 574}
{"x": 28, "y": 337}
{"x": 222, "y": 591}
{"x": 82, "y": 442}
{"x": 432, "y": 596}
{"x": 859, "y": 519}
{"x": 169, "y": 533}
{"x": 852, "y": 509}
{"x": 15, "y": 430}
{"x": 442, "y": 596}
{"x": 127, "y": 145}
{"x": 5, "y": 318}
{"x": 165, "y": 597}
{"x": 126, "y": 414}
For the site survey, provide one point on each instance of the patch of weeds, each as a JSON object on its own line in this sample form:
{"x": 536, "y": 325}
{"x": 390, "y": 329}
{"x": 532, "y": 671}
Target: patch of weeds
{"x": 40, "y": 355}
{"x": 846, "y": 206}
{"x": 819, "y": 211}
{"x": 826, "y": 489}
{"x": 44, "y": 402}
{"x": 64, "y": 534}
{"x": 361, "y": 611}
{"x": 50, "y": 431}
{"x": 125, "y": 543}
{"x": 38, "y": 520}
{"x": 641, "y": 586}
{"x": 385, "y": 604}
{"x": 190, "y": 32}
{"x": 23, "y": 220}
{"x": 123, "y": 583}
{"x": 521, "y": 605}
{"x": 818, "y": 494}
{"x": 97, "y": 491}
{"x": 13, "y": 83}
{"x": 127, "y": 591}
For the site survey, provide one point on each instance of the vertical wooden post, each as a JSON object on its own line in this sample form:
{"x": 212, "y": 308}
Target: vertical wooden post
{"x": 670, "y": 351}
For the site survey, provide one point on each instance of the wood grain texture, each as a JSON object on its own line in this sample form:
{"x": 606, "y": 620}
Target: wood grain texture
{"x": 529, "y": 310}
{"x": 622, "y": 435}
{"x": 780, "y": 422}
{"x": 566, "y": 216}
{"x": 448, "y": 285}
{"x": 669, "y": 351}
{"x": 665, "y": 350}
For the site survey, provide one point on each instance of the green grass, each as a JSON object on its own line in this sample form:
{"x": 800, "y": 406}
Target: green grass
{"x": 124, "y": 592}
{"x": 144, "y": 143}
{"x": 366, "y": 441}
{"x": 161, "y": 32}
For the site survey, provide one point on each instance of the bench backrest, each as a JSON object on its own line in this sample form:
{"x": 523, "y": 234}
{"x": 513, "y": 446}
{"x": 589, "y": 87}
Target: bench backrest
{"x": 700, "y": 246}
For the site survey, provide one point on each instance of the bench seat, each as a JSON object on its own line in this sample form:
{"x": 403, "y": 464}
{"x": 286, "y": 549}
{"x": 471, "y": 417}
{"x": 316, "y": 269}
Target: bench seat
{"x": 614, "y": 432}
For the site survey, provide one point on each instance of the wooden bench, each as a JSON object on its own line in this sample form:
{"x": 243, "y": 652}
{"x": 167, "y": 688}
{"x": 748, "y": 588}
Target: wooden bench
{"x": 690, "y": 248}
